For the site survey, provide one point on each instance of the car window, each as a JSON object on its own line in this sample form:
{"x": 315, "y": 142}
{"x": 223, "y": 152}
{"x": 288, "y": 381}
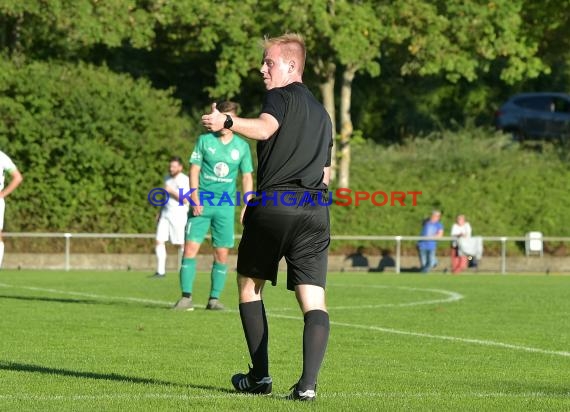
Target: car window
{"x": 542, "y": 103}
{"x": 561, "y": 105}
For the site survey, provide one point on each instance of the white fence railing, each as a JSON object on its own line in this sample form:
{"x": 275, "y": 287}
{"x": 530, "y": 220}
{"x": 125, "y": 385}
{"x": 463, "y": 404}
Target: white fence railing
{"x": 503, "y": 240}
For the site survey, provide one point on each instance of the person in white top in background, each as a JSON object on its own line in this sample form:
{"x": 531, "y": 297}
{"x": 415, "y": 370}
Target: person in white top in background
{"x": 460, "y": 229}
{"x": 6, "y": 166}
{"x": 173, "y": 216}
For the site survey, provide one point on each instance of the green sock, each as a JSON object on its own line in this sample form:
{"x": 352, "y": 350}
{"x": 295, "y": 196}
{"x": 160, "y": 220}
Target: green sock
{"x": 187, "y": 274}
{"x": 218, "y": 275}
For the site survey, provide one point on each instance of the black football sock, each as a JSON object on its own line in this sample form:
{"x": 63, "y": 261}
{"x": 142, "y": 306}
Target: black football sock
{"x": 315, "y": 339}
{"x": 254, "y": 324}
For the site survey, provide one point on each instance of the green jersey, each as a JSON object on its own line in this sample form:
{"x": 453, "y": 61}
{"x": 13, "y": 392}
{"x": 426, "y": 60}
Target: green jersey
{"x": 219, "y": 163}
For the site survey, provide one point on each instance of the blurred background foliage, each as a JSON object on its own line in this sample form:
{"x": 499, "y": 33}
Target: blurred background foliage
{"x": 96, "y": 95}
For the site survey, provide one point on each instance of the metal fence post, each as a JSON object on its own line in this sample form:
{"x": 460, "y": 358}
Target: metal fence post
{"x": 503, "y": 255}
{"x": 67, "y": 250}
{"x": 398, "y": 251}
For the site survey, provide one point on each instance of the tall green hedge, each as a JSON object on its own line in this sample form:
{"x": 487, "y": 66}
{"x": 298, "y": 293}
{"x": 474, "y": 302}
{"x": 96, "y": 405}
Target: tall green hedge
{"x": 502, "y": 187}
{"x": 90, "y": 143}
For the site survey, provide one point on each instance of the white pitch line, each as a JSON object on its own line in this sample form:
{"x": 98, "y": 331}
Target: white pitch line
{"x": 348, "y": 325}
{"x": 440, "y": 337}
{"x": 325, "y": 395}
{"x": 451, "y": 297}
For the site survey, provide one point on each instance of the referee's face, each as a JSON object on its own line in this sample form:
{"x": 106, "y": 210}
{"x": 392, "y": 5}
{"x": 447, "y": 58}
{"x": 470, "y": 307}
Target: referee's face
{"x": 274, "y": 69}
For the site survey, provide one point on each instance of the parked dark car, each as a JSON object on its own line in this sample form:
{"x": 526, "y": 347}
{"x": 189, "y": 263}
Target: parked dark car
{"x": 535, "y": 116}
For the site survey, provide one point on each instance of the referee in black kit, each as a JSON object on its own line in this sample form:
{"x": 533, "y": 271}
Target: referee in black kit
{"x": 294, "y": 134}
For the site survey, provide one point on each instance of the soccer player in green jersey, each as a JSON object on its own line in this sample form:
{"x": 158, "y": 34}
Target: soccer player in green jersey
{"x": 215, "y": 162}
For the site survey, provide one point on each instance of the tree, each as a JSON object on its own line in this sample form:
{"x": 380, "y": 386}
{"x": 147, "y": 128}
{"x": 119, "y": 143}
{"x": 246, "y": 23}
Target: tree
{"x": 546, "y": 23}
{"x": 67, "y": 29}
{"x": 358, "y": 33}
{"x": 463, "y": 39}
{"x": 193, "y": 26}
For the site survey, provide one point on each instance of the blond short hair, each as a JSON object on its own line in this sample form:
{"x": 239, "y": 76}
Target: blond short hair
{"x": 292, "y": 47}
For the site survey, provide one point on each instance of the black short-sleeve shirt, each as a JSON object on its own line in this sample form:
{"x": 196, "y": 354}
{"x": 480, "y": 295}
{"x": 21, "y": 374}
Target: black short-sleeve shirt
{"x": 301, "y": 147}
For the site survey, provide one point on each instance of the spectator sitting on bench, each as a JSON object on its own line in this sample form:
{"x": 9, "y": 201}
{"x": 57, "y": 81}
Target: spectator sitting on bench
{"x": 386, "y": 261}
{"x": 358, "y": 260}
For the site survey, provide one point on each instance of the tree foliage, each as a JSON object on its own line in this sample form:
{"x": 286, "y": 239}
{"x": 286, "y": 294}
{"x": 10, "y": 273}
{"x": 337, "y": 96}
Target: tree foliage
{"x": 90, "y": 143}
{"x": 462, "y": 39}
{"x": 68, "y": 28}
{"x": 90, "y": 138}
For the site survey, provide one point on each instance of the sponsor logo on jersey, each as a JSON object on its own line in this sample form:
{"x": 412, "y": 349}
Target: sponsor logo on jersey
{"x": 221, "y": 169}
{"x": 234, "y": 154}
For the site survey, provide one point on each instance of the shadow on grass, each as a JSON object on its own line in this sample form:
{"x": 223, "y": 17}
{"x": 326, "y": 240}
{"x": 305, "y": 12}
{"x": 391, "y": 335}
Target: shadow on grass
{"x": 24, "y": 367}
{"x": 45, "y": 299}
{"x": 117, "y": 302}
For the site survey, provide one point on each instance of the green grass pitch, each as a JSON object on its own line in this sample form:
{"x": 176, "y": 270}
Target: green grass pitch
{"x": 87, "y": 340}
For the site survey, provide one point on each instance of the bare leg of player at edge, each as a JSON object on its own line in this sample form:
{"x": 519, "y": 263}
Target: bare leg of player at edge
{"x": 311, "y": 300}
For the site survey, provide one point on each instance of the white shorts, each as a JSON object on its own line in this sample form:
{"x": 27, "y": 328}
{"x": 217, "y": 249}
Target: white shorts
{"x": 2, "y": 207}
{"x": 171, "y": 229}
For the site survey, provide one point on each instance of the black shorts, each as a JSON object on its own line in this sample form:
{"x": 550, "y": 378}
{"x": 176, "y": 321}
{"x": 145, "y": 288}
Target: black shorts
{"x": 300, "y": 232}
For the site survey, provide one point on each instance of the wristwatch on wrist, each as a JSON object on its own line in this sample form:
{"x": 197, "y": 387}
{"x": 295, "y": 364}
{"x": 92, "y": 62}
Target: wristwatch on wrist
{"x": 229, "y": 122}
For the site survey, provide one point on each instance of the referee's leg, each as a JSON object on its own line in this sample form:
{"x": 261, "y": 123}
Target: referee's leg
{"x": 311, "y": 300}
{"x": 254, "y": 322}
